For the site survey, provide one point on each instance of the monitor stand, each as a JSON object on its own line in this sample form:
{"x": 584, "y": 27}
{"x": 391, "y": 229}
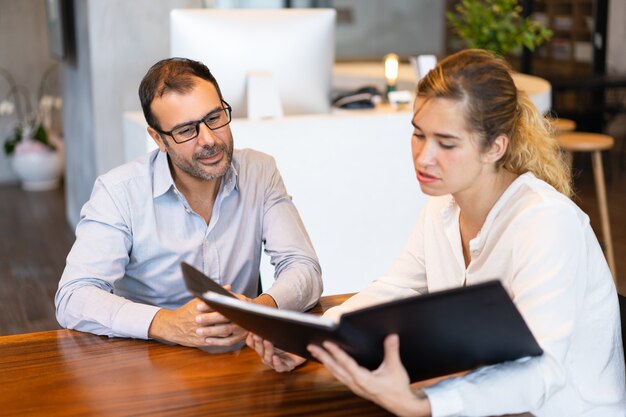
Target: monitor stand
{"x": 263, "y": 98}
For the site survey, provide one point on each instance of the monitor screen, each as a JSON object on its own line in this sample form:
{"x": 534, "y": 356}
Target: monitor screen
{"x": 295, "y": 46}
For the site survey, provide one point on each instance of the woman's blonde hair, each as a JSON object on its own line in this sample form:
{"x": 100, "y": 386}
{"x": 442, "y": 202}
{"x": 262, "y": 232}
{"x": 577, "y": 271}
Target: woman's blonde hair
{"x": 494, "y": 106}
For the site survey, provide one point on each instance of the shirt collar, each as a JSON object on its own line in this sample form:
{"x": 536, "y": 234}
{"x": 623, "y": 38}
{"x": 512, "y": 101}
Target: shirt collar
{"x": 162, "y": 177}
{"x": 450, "y": 214}
{"x": 230, "y": 181}
{"x": 163, "y": 181}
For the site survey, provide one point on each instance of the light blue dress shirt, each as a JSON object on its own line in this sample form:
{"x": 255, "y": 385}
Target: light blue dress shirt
{"x": 137, "y": 228}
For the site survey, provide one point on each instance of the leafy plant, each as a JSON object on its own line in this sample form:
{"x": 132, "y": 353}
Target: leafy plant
{"x": 29, "y": 125}
{"x": 35, "y": 132}
{"x": 496, "y": 25}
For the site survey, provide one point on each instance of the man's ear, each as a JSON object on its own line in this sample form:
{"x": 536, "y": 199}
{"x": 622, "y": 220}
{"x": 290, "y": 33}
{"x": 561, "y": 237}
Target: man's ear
{"x": 497, "y": 150}
{"x": 156, "y": 137}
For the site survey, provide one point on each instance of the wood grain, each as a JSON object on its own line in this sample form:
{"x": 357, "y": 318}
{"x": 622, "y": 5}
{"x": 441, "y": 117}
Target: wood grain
{"x": 69, "y": 373}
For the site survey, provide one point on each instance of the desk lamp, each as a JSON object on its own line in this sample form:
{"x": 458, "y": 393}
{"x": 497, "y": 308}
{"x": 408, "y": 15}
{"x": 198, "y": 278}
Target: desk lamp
{"x": 391, "y": 72}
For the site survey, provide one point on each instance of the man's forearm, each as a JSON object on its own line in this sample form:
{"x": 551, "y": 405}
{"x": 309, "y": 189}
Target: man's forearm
{"x": 91, "y": 309}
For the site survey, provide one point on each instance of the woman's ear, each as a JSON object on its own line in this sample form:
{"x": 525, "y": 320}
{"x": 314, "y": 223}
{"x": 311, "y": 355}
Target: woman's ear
{"x": 157, "y": 139}
{"x": 497, "y": 150}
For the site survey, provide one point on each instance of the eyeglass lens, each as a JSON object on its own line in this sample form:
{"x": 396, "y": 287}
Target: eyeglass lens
{"x": 214, "y": 120}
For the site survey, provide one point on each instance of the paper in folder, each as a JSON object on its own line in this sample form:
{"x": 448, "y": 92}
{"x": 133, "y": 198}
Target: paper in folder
{"x": 440, "y": 333}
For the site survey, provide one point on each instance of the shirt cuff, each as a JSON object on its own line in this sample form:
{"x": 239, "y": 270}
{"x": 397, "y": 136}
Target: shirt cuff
{"x": 134, "y": 319}
{"x": 444, "y": 400}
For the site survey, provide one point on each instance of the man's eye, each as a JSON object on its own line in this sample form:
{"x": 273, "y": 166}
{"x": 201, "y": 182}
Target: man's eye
{"x": 188, "y": 130}
{"x": 213, "y": 118}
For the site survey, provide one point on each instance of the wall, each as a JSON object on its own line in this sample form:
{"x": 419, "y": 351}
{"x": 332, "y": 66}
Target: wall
{"x": 616, "y": 64}
{"x": 376, "y": 28}
{"x": 116, "y": 42}
{"x": 24, "y": 53}
{"x": 78, "y": 119}
{"x": 363, "y": 26}
{"x": 616, "y": 58}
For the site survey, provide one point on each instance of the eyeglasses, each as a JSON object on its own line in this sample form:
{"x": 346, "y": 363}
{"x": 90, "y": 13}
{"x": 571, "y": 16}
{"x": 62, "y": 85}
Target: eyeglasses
{"x": 189, "y": 131}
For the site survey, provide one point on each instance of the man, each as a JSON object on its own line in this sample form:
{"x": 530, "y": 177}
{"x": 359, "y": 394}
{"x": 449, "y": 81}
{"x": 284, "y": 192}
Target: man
{"x": 194, "y": 200}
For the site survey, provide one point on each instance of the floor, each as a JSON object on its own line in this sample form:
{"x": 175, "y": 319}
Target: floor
{"x": 35, "y": 240}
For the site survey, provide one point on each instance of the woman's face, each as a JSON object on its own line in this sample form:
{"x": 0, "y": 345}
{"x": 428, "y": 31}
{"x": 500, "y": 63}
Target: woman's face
{"x": 446, "y": 153}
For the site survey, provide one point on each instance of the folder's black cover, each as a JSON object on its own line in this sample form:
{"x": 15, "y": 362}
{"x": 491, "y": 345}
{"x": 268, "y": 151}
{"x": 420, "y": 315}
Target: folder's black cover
{"x": 440, "y": 333}
{"x": 198, "y": 283}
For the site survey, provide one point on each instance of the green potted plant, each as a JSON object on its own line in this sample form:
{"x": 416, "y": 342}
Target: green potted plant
{"x": 35, "y": 151}
{"x": 496, "y": 25}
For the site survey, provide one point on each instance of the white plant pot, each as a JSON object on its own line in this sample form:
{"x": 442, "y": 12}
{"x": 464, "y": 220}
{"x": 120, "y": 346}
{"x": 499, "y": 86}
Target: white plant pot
{"x": 39, "y": 170}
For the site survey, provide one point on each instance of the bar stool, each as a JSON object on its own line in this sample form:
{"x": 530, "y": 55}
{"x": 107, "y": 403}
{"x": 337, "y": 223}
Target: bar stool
{"x": 594, "y": 143}
{"x": 562, "y": 125}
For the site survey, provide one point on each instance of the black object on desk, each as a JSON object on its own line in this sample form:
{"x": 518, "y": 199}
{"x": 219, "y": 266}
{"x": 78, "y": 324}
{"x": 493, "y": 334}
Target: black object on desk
{"x": 440, "y": 333}
{"x": 363, "y": 98}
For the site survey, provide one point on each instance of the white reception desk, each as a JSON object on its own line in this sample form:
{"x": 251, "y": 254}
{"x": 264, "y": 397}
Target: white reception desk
{"x": 351, "y": 177}
{"x": 350, "y": 174}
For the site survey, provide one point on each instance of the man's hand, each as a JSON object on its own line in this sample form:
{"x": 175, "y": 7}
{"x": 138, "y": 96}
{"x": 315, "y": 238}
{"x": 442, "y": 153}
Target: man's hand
{"x": 195, "y": 324}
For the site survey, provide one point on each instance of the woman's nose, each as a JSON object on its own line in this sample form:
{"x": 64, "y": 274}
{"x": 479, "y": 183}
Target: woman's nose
{"x": 427, "y": 154}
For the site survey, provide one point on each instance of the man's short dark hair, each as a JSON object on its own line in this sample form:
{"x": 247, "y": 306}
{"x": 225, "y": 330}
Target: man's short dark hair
{"x": 171, "y": 74}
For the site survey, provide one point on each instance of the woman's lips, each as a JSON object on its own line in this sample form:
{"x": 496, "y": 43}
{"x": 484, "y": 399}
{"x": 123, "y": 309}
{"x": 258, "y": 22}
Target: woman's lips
{"x": 425, "y": 178}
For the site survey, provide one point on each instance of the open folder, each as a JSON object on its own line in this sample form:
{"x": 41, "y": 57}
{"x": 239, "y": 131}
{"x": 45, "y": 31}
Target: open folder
{"x": 440, "y": 333}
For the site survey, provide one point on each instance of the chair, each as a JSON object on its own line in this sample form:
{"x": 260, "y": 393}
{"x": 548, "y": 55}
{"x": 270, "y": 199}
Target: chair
{"x": 594, "y": 143}
{"x": 562, "y": 125}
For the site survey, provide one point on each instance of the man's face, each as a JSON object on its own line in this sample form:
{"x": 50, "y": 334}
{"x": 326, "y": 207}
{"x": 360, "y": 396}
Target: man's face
{"x": 208, "y": 156}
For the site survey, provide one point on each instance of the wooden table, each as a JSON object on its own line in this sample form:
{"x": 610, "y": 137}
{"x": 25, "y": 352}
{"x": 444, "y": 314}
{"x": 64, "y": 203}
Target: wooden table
{"x": 69, "y": 373}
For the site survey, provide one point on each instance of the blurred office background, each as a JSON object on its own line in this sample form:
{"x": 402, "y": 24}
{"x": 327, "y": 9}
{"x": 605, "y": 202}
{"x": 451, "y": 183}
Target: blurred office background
{"x": 109, "y": 44}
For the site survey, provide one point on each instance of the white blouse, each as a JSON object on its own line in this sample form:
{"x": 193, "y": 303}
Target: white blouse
{"x": 540, "y": 245}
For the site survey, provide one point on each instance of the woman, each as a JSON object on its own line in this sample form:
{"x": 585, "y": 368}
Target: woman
{"x": 499, "y": 208}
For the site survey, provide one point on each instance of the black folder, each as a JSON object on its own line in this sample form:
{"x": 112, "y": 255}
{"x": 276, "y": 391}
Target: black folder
{"x": 440, "y": 333}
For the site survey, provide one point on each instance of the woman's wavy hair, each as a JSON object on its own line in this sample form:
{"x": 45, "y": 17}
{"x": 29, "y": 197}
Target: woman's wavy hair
{"x": 493, "y": 107}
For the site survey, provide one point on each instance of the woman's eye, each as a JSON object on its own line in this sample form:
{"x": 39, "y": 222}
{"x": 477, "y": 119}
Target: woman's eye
{"x": 419, "y": 136}
{"x": 446, "y": 145}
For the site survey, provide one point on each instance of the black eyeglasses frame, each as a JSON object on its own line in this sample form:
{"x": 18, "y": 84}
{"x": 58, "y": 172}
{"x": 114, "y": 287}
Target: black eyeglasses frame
{"x": 225, "y": 107}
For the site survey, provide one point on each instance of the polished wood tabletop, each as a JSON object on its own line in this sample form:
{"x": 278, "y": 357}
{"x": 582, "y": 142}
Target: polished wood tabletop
{"x": 70, "y": 373}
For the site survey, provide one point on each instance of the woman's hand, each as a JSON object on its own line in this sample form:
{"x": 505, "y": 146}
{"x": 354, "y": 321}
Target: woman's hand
{"x": 276, "y": 359}
{"x": 387, "y": 386}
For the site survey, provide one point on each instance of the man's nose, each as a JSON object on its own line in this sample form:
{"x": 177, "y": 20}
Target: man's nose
{"x": 206, "y": 137}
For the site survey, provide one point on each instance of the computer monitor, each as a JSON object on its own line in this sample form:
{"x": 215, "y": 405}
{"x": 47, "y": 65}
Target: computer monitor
{"x": 295, "y": 46}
